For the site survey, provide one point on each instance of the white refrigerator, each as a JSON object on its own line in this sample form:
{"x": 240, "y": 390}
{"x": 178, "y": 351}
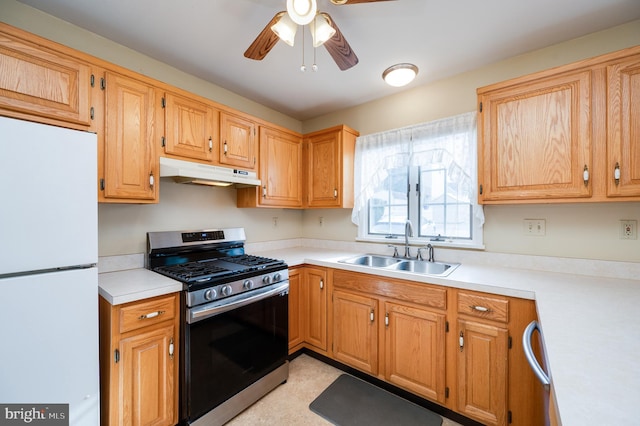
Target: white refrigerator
{"x": 48, "y": 273}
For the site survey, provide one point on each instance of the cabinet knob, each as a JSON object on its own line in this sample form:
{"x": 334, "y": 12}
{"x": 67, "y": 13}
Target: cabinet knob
{"x": 210, "y": 144}
{"x": 616, "y": 173}
{"x": 585, "y": 175}
{"x": 151, "y": 180}
{"x": 321, "y": 284}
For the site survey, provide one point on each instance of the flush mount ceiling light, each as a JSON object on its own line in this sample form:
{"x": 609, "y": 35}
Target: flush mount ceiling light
{"x": 302, "y": 11}
{"x": 399, "y": 75}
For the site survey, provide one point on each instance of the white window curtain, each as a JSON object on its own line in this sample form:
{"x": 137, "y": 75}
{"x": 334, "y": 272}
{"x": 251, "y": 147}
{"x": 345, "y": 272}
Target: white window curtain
{"x": 451, "y": 142}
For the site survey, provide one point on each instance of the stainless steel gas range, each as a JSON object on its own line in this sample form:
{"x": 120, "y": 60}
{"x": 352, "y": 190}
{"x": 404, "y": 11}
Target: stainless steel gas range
{"x": 234, "y": 320}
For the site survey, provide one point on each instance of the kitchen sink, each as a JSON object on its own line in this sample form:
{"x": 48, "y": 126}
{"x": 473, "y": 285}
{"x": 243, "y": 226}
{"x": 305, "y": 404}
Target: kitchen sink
{"x": 372, "y": 260}
{"x": 415, "y": 266}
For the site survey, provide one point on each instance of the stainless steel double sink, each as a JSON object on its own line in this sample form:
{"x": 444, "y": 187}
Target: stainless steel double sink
{"x": 415, "y": 266}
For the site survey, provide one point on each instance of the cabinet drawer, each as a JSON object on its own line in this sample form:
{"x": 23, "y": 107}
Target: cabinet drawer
{"x": 148, "y": 312}
{"x": 491, "y": 308}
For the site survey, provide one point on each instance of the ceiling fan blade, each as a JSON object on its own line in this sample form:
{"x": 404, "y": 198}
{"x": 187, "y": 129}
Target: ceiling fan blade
{"x": 339, "y": 2}
{"x": 265, "y": 40}
{"x": 338, "y": 47}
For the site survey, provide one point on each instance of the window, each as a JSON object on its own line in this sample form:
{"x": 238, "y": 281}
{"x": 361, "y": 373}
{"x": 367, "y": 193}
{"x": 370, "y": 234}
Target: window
{"x": 425, "y": 174}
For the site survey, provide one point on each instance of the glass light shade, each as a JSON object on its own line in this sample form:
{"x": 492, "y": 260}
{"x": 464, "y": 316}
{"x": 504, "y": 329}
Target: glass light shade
{"x": 302, "y": 11}
{"x": 321, "y": 30}
{"x": 400, "y": 74}
{"x": 285, "y": 29}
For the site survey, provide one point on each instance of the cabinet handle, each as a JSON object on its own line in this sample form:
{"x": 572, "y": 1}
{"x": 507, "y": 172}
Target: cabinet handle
{"x": 616, "y": 174}
{"x": 151, "y": 180}
{"x": 210, "y": 144}
{"x": 528, "y": 353}
{"x": 264, "y": 191}
{"x": 461, "y": 341}
{"x": 150, "y": 315}
{"x": 171, "y": 349}
{"x": 371, "y": 315}
{"x": 321, "y": 284}
{"x": 386, "y": 319}
{"x": 335, "y": 193}
{"x": 585, "y": 175}
{"x": 480, "y": 308}
{"x": 225, "y": 148}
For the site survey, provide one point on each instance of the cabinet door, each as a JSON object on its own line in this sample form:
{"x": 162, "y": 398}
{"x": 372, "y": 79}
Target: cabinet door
{"x": 415, "y": 350}
{"x": 237, "y": 141}
{"x": 130, "y": 163}
{"x": 623, "y": 127}
{"x": 482, "y": 372}
{"x": 191, "y": 128}
{"x": 36, "y": 81}
{"x": 280, "y": 168}
{"x": 355, "y": 330}
{"x": 323, "y": 173}
{"x": 315, "y": 303}
{"x": 536, "y": 139}
{"x": 296, "y": 335}
{"x": 147, "y": 377}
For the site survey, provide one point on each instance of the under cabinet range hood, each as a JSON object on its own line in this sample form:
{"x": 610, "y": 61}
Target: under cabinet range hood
{"x": 204, "y": 174}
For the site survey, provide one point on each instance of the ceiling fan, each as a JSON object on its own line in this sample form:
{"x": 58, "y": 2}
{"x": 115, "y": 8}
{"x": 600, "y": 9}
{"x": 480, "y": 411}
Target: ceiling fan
{"x": 323, "y": 29}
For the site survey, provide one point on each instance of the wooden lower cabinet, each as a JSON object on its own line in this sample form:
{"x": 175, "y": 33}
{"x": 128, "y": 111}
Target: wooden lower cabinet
{"x": 355, "y": 330}
{"x": 139, "y": 344}
{"x": 308, "y": 309}
{"x": 415, "y": 350}
{"x": 482, "y": 372}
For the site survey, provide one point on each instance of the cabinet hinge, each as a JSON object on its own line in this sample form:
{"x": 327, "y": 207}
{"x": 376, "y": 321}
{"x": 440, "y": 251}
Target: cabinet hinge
{"x": 480, "y": 189}
{"x": 446, "y": 326}
{"x": 103, "y": 84}
{"x": 92, "y": 113}
{"x": 446, "y": 392}
{"x": 480, "y": 106}
{"x": 163, "y": 102}
{"x": 510, "y": 342}
{"x": 93, "y": 80}
{"x": 162, "y": 141}
{"x": 116, "y": 356}
{"x": 509, "y": 417}
{"x": 101, "y": 184}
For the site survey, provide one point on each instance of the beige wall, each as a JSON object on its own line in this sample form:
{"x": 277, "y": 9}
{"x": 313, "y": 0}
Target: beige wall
{"x": 584, "y": 231}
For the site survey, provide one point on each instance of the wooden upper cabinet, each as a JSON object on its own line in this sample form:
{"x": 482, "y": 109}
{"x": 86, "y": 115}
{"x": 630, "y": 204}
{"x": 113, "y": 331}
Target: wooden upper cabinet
{"x": 623, "y": 127}
{"x": 40, "y": 83}
{"x": 191, "y": 128}
{"x": 329, "y": 158}
{"x": 238, "y": 143}
{"x": 280, "y": 172}
{"x": 130, "y": 134}
{"x": 535, "y": 138}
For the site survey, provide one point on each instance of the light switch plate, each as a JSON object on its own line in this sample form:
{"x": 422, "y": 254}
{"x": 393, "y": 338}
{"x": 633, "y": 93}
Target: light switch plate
{"x": 534, "y": 227}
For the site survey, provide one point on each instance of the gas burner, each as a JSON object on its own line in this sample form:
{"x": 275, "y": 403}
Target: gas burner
{"x": 254, "y": 262}
{"x": 192, "y": 271}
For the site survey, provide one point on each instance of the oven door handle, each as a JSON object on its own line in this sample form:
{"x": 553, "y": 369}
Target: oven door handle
{"x": 225, "y": 305}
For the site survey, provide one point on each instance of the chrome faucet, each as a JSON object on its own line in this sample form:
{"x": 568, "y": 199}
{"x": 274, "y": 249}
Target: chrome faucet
{"x": 429, "y": 249}
{"x": 408, "y": 232}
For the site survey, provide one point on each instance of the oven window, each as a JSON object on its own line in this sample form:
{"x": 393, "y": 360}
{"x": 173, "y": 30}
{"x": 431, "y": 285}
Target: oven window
{"x": 230, "y": 351}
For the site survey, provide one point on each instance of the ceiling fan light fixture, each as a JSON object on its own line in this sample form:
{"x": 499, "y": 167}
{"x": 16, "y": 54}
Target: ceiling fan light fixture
{"x": 399, "y": 75}
{"x": 321, "y": 30}
{"x": 302, "y": 11}
{"x": 285, "y": 29}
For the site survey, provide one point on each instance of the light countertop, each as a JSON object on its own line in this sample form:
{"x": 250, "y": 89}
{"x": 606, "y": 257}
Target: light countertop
{"x": 589, "y": 324}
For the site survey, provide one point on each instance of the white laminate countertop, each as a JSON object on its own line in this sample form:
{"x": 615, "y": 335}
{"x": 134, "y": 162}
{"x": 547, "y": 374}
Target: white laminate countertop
{"x": 590, "y": 325}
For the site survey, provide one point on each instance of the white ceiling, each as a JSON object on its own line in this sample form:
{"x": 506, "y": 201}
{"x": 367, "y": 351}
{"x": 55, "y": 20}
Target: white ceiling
{"x": 207, "y": 38}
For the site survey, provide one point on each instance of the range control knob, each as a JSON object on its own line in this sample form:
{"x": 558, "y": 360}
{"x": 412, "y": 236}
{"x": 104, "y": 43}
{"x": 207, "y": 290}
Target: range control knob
{"x": 266, "y": 279}
{"x": 247, "y": 285}
{"x": 277, "y": 277}
{"x": 210, "y": 294}
{"x": 226, "y": 290}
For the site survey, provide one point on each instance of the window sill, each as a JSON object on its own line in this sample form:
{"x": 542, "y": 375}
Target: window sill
{"x": 399, "y": 241}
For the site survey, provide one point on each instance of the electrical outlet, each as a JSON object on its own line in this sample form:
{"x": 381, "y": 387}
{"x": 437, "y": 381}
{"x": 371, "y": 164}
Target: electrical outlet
{"x": 534, "y": 227}
{"x": 628, "y": 229}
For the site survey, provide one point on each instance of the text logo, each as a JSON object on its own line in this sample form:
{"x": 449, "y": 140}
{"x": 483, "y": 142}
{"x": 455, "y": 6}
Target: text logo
{"x": 34, "y": 414}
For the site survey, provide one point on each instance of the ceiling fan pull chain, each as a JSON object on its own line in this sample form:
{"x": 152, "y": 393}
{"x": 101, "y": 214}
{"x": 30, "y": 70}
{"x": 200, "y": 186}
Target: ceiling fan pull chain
{"x": 303, "y": 67}
{"x": 314, "y": 67}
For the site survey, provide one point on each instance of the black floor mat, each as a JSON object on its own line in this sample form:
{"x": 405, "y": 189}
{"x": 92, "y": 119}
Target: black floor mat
{"x": 352, "y": 402}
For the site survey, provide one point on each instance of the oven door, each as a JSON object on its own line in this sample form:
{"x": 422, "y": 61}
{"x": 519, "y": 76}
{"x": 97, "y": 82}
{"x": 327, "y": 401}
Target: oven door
{"x": 232, "y": 343}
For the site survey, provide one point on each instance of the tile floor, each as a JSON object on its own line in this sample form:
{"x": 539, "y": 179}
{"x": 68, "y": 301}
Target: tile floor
{"x": 288, "y": 404}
